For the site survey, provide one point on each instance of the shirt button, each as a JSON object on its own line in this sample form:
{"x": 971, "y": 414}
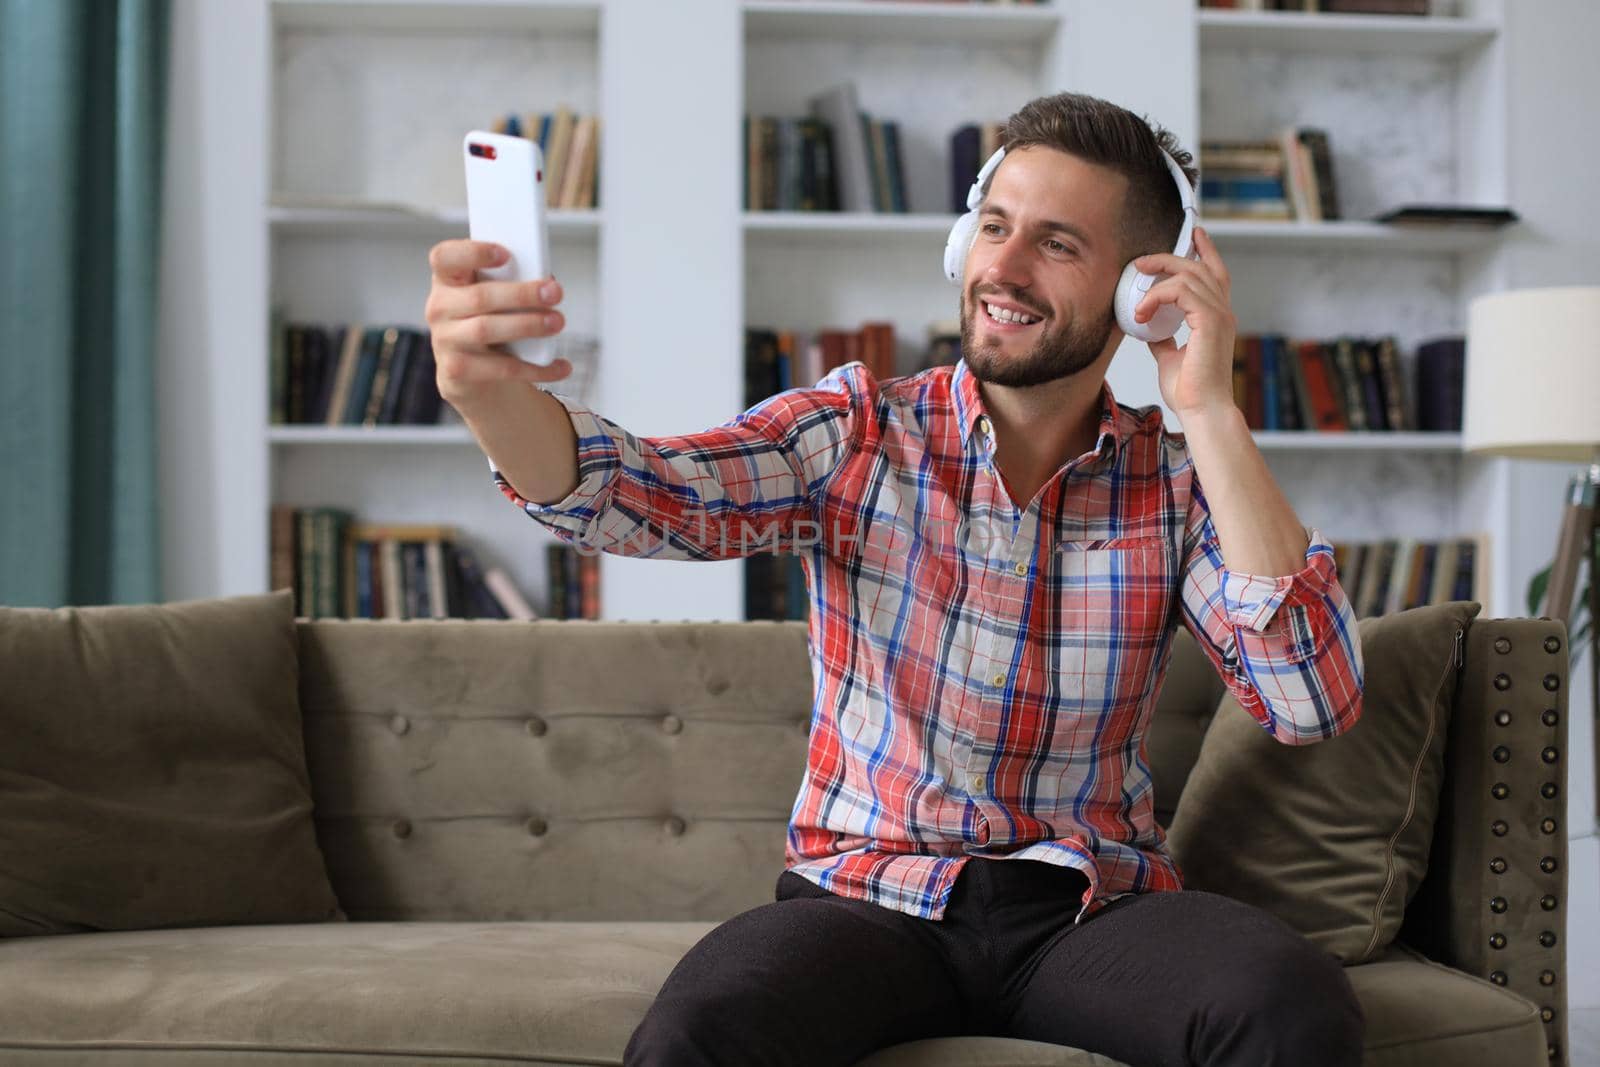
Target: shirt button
{"x": 977, "y": 783}
{"x": 983, "y": 424}
{"x": 1000, "y": 679}
{"x": 1022, "y": 568}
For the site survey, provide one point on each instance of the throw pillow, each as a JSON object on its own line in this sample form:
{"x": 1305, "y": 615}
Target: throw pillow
{"x": 1332, "y": 837}
{"x": 153, "y": 772}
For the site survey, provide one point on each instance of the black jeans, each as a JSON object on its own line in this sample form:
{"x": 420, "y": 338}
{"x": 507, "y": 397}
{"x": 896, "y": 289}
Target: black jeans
{"x": 1154, "y": 980}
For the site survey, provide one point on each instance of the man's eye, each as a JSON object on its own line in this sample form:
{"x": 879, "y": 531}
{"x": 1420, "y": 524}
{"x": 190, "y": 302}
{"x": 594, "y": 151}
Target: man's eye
{"x": 1061, "y": 246}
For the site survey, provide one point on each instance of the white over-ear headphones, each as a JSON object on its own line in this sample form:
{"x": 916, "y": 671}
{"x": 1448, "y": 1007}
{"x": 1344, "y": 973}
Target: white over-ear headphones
{"x": 1133, "y": 284}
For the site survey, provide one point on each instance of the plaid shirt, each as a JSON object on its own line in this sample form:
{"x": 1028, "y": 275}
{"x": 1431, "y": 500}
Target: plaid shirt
{"x": 984, "y": 676}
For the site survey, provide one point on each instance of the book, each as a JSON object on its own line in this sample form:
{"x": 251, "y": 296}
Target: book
{"x": 838, "y": 107}
{"x": 506, "y": 593}
{"x": 1440, "y": 376}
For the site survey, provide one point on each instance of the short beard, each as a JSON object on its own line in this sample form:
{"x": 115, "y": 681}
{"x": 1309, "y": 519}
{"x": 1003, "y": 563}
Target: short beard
{"x": 1056, "y": 353}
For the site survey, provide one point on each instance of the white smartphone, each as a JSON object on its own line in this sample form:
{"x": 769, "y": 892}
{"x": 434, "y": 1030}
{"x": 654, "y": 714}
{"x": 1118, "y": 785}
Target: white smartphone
{"x": 506, "y": 205}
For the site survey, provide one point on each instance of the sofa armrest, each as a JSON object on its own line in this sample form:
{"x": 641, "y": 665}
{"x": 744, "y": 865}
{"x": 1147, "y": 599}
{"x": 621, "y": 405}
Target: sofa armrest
{"x": 1494, "y": 900}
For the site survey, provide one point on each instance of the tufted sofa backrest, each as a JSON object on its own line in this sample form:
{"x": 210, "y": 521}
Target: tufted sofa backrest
{"x": 471, "y": 770}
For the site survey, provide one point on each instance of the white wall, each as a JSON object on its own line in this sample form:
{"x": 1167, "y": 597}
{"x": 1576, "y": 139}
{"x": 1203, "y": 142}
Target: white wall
{"x": 213, "y": 270}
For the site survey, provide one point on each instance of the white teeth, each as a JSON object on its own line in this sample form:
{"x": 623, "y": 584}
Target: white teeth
{"x": 1002, "y": 315}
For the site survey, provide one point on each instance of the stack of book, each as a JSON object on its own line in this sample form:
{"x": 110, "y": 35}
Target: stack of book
{"x": 1290, "y": 177}
{"x": 1397, "y": 573}
{"x": 775, "y": 360}
{"x": 570, "y": 145}
{"x": 352, "y": 375}
{"x": 1347, "y": 384}
{"x": 836, "y": 158}
{"x": 341, "y": 568}
{"x": 574, "y": 576}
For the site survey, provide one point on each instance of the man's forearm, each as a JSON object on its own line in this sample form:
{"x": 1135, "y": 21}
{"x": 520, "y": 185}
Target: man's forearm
{"x": 1256, "y": 528}
{"x": 528, "y": 435}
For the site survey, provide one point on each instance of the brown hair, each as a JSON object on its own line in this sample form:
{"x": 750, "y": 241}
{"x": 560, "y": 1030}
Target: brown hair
{"x": 1103, "y": 133}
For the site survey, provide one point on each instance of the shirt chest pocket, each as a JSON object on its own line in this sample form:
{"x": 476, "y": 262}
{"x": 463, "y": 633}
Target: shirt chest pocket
{"x": 1113, "y": 589}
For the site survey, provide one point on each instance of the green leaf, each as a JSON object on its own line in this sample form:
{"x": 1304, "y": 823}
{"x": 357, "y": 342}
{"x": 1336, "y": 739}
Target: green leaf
{"x": 1536, "y": 588}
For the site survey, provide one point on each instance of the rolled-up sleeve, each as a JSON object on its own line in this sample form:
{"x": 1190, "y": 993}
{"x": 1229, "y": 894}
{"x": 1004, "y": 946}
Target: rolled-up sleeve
{"x": 1286, "y": 646}
{"x": 734, "y": 490}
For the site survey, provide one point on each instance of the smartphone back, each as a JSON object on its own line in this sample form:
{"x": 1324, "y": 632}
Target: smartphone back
{"x": 506, "y": 205}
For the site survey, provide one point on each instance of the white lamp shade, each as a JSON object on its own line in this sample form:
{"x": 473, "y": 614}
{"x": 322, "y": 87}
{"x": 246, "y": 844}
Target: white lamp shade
{"x": 1532, "y": 386}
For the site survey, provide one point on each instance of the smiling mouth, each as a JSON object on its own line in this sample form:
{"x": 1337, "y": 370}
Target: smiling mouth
{"x": 1002, "y": 326}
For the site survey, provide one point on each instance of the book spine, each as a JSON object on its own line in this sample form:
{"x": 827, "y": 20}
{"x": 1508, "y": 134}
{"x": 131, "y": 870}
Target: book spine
{"x": 556, "y": 580}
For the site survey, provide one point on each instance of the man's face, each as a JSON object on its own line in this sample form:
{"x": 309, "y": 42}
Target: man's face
{"x": 1065, "y": 278}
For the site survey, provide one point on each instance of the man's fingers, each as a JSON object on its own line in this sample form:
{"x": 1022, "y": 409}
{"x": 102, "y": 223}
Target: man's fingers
{"x": 482, "y": 331}
{"x": 465, "y": 301}
{"x": 457, "y": 261}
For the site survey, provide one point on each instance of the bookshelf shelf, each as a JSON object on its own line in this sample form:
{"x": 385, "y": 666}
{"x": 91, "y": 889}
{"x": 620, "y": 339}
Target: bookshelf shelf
{"x": 377, "y": 435}
{"x": 1230, "y": 233}
{"x": 434, "y": 16}
{"x": 1389, "y": 441}
{"x": 1355, "y": 235}
{"x": 1322, "y": 33}
{"x": 398, "y": 221}
{"x": 906, "y": 21}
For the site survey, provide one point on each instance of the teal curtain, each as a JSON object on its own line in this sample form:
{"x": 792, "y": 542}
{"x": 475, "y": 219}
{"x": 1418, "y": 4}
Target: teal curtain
{"x": 82, "y": 109}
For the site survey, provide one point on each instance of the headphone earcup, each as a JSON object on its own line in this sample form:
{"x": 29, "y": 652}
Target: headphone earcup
{"x": 1160, "y": 326}
{"x": 956, "y": 246}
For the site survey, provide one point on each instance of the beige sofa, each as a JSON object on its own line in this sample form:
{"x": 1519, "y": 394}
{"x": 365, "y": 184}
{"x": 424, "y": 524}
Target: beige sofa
{"x": 529, "y": 823}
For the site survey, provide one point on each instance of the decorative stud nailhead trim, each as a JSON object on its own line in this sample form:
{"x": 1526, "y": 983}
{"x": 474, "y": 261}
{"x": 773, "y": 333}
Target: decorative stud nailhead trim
{"x": 1499, "y": 828}
{"x": 1497, "y": 940}
{"x": 1502, "y": 754}
{"x": 1500, "y": 790}
{"x": 1547, "y": 902}
{"x": 1547, "y": 978}
{"x": 1502, "y": 644}
{"x": 1502, "y": 682}
{"x": 1549, "y": 790}
{"x": 1502, "y": 717}
{"x": 1547, "y": 825}
{"x": 1547, "y": 938}
{"x": 1550, "y": 754}
{"x": 1550, "y": 717}
{"x": 1497, "y": 977}
{"x": 1498, "y": 865}
{"x": 1547, "y": 1014}
{"x": 1548, "y": 864}
{"x": 1552, "y": 643}
{"x": 1552, "y": 682}
{"x": 1497, "y": 905}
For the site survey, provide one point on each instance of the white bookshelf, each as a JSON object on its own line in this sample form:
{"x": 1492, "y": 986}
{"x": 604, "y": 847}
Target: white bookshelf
{"x": 669, "y": 269}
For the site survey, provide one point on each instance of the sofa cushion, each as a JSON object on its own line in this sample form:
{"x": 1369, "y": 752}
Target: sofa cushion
{"x": 153, "y": 772}
{"x": 547, "y": 993}
{"x": 1332, "y": 837}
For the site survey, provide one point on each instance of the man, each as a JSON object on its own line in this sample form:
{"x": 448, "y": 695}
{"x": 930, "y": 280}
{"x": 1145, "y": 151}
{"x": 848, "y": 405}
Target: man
{"x": 1004, "y": 554}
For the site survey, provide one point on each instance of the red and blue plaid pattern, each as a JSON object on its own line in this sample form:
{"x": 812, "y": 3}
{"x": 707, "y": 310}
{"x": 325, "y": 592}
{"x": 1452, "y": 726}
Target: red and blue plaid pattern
{"x": 985, "y": 672}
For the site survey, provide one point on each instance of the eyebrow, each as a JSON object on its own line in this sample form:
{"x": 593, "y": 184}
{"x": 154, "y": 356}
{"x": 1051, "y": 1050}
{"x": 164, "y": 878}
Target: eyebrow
{"x": 1048, "y": 225}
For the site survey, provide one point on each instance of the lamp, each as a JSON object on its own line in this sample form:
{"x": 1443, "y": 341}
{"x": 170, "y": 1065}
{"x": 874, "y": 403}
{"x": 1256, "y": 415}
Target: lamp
{"x": 1532, "y": 391}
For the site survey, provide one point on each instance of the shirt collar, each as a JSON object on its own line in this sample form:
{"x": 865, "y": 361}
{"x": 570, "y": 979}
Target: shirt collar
{"x": 969, "y": 409}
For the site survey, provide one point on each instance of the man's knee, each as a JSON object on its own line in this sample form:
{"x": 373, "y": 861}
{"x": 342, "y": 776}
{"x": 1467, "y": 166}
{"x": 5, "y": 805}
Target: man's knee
{"x": 1295, "y": 1006}
{"x": 675, "y": 1031}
